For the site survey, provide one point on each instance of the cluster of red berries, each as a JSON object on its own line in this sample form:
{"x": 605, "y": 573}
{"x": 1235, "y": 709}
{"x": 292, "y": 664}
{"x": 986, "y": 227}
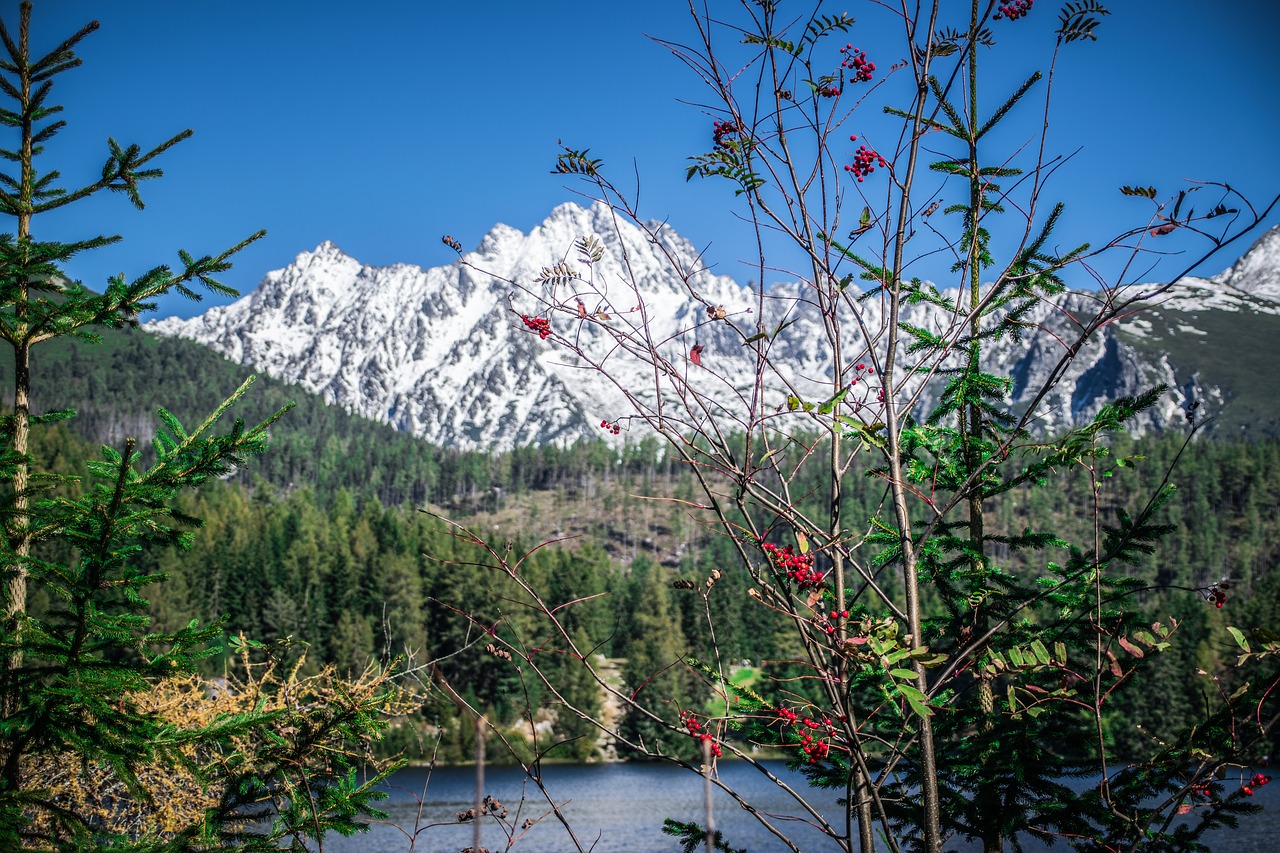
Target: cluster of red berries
{"x": 828, "y": 91}
{"x": 694, "y": 728}
{"x": 856, "y": 61}
{"x": 724, "y": 131}
{"x": 828, "y": 626}
{"x": 1014, "y": 10}
{"x": 608, "y": 427}
{"x": 817, "y": 748}
{"x": 789, "y": 715}
{"x": 864, "y": 161}
{"x": 1216, "y": 594}
{"x": 863, "y": 370}
{"x": 798, "y": 567}
{"x": 538, "y": 324}
{"x": 1258, "y": 780}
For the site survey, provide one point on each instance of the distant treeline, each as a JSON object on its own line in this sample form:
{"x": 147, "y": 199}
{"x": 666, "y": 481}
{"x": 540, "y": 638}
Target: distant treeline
{"x": 112, "y": 386}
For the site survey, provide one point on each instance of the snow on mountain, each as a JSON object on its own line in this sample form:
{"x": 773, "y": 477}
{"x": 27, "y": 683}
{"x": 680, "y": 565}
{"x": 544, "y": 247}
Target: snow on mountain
{"x": 1257, "y": 273}
{"x": 435, "y": 352}
{"x": 443, "y": 353}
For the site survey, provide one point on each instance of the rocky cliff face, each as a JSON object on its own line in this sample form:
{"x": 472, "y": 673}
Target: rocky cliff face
{"x": 443, "y": 353}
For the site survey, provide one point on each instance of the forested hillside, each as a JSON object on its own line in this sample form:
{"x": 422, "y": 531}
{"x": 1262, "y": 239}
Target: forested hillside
{"x": 112, "y": 386}
{"x": 349, "y": 565}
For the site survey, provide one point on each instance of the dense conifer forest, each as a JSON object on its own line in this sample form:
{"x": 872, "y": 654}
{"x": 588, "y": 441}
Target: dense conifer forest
{"x": 324, "y": 542}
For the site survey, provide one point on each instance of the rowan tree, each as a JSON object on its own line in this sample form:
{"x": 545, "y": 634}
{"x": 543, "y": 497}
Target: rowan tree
{"x": 942, "y": 691}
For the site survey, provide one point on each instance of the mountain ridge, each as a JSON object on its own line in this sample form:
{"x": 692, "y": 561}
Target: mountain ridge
{"x": 442, "y": 353}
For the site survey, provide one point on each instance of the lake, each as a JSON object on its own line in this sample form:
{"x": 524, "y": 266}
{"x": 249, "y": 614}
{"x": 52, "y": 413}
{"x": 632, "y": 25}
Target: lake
{"x": 620, "y": 807}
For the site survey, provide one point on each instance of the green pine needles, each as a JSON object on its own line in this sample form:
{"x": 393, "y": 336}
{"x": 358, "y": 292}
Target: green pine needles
{"x": 108, "y": 739}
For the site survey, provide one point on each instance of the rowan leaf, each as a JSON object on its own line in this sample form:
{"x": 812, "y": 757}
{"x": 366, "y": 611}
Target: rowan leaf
{"x": 1130, "y": 647}
{"x": 1042, "y": 653}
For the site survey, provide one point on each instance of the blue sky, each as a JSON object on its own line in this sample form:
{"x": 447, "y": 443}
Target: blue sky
{"x": 384, "y": 125}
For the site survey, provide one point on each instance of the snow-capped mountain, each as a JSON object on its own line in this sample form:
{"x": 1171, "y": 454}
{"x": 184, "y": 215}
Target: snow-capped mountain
{"x": 437, "y": 352}
{"x": 1257, "y": 273}
{"x": 444, "y": 354}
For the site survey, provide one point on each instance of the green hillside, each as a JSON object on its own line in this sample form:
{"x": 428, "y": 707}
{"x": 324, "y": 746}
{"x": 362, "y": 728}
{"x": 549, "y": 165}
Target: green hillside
{"x": 1227, "y": 349}
{"x": 112, "y": 386}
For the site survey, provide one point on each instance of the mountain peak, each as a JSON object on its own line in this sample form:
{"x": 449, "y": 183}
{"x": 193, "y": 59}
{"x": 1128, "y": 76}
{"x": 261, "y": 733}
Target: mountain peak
{"x": 568, "y": 210}
{"x": 326, "y": 251}
{"x": 1258, "y": 270}
{"x": 499, "y": 237}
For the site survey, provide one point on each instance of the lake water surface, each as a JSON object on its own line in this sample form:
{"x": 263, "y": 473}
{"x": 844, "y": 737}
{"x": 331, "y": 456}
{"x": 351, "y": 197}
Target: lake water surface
{"x": 619, "y": 808}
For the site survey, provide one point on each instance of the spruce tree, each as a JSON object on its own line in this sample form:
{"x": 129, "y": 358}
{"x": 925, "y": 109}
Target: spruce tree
{"x": 79, "y": 683}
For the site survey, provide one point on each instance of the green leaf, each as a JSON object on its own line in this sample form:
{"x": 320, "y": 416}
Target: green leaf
{"x": 916, "y": 699}
{"x": 1042, "y": 653}
{"x": 771, "y": 41}
{"x": 828, "y": 405}
{"x": 781, "y": 326}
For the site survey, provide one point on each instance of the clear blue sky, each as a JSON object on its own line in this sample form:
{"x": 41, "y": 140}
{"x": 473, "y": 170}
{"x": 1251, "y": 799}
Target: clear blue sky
{"x": 383, "y": 125}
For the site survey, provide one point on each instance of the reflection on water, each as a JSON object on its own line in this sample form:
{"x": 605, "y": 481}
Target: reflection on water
{"x": 619, "y": 808}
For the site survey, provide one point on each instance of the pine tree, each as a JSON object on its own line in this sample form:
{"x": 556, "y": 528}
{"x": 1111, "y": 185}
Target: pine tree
{"x": 80, "y": 684}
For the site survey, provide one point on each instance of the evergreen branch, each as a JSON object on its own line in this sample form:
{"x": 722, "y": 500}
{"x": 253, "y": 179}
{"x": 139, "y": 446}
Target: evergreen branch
{"x": 958, "y": 133}
{"x": 15, "y": 55}
{"x": 119, "y": 174}
{"x": 953, "y": 115}
{"x": 1007, "y": 105}
{"x": 48, "y": 132}
{"x": 56, "y": 69}
{"x": 60, "y": 54}
{"x": 32, "y": 107}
